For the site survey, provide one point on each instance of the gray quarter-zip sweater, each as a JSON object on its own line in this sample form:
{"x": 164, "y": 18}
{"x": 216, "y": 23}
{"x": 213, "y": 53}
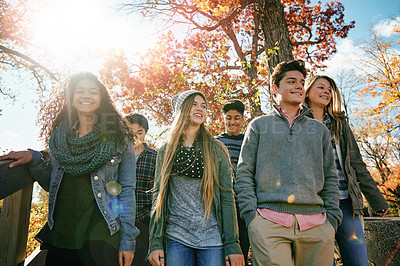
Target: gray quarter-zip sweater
{"x": 287, "y": 169}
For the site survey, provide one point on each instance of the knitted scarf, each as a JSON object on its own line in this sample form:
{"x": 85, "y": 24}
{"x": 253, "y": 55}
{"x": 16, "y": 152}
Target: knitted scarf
{"x": 188, "y": 162}
{"x": 79, "y": 156}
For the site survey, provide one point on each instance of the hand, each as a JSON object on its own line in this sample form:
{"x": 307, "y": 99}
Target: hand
{"x": 382, "y": 213}
{"x": 126, "y": 258}
{"x": 21, "y": 157}
{"x": 234, "y": 260}
{"x": 156, "y": 258}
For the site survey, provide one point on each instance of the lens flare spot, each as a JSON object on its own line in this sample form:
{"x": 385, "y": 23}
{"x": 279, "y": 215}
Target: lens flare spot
{"x": 355, "y": 239}
{"x": 117, "y": 206}
{"x": 278, "y": 184}
{"x": 291, "y": 198}
{"x": 114, "y": 188}
{"x": 354, "y": 236}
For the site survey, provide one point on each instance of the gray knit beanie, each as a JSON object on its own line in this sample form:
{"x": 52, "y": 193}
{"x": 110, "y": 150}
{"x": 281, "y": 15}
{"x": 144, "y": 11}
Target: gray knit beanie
{"x": 178, "y": 99}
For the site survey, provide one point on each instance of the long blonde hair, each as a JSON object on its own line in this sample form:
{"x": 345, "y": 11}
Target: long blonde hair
{"x": 334, "y": 107}
{"x": 206, "y": 140}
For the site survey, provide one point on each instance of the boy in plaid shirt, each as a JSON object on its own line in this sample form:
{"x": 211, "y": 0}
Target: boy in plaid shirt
{"x": 145, "y": 168}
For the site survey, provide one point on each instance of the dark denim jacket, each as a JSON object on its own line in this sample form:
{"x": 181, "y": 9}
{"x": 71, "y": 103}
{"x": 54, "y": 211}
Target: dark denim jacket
{"x": 120, "y": 168}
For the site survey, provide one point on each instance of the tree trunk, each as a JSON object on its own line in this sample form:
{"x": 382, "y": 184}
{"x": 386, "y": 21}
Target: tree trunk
{"x": 271, "y": 18}
{"x": 275, "y": 31}
{"x": 251, "y": 72}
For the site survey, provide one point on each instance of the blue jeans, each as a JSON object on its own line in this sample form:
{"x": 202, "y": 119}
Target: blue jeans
{"x": 350, "y": 237}
{"x": 177, "y": 254}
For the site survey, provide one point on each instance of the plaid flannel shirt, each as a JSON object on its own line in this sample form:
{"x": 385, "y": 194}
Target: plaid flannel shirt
{"x": 145, "y": 169}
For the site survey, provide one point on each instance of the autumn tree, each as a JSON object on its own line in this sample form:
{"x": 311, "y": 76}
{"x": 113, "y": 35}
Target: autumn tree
{"x": 254, "y": 26}
{"x": 229, "y": 52}
{"x": 382, "y": 155}
{"x": 201, "y": 63}
{"x": 14, "y": 41}
{"x": 38, "y": 218}
{"x": 382, "y": 76}
{"x": 349, "y": 84}
{"x": 379, "y": 132}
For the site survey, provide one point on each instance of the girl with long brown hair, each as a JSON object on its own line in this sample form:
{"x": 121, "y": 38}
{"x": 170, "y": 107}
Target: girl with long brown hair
{"x": 193, "y": 220}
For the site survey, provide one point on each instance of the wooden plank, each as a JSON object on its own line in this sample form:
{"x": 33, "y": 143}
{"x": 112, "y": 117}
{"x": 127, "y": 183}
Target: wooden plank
{"x": 14, "y": 225}
{"x": 14, "y": 179}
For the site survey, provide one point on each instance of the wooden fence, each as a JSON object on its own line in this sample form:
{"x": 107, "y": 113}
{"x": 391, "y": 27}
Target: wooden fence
{"x": 16, "y": 188}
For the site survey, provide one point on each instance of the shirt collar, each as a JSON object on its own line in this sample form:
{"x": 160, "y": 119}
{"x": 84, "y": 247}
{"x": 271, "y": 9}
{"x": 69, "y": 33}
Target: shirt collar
{"x": 301, "y": 109}
{"x": 146, "y": 148}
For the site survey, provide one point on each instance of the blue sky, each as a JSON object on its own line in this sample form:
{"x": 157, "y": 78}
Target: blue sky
{"x": 367, "y": 13}
{"x": 17, "y": 122}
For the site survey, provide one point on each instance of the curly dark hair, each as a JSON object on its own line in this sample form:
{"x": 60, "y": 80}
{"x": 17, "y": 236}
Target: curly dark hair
{"x": 283, "y": 67}
{"x": 59, "y": 107}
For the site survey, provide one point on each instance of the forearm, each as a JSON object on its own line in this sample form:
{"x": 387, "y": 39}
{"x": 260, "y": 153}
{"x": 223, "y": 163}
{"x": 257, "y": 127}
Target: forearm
{"x": 246, "y": 197}
{"x": 330, "y": 197}
{"x": 367, "y": 184}
{"x": 155, "y": 238}
{"x": 230, "y": 226}
{"x": 330, "y": 192}
{"x": 40, "y": 170}
{"x": 245, "y": 188}
{"x": 229, "y": 217}
{"x": 127, "y": 200}
{"x": 129, "y": 231}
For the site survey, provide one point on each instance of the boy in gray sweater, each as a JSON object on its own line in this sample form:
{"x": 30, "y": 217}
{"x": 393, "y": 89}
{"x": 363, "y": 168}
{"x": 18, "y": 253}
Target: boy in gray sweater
{"x": 287, "y": 185}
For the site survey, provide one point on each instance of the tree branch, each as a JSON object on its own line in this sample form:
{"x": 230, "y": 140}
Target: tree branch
{"x": 29, "y": 59}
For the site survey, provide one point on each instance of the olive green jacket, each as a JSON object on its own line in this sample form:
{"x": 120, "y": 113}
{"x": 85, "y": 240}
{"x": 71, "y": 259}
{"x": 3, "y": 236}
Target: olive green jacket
{"x": 223, "y": 201}
{"x": 358, "y": 177}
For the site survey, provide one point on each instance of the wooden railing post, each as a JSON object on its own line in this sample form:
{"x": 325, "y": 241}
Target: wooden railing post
{"x": 15, "y": 213}
{"x": 14, "y": 225}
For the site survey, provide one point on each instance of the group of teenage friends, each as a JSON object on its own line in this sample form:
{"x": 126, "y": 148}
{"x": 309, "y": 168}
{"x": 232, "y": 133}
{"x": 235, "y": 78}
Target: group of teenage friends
{"x": 288, "y": 187}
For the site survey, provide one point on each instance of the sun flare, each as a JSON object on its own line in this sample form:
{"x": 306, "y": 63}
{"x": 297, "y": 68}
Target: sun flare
{"x": 66, "y": 26}
{"x": 71, "y": 29}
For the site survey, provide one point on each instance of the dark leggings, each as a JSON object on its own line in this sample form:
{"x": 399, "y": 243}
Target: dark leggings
{"x": 93, "y": 253}
{"x": 142, "y": 243}
{"x": 243, "y": 238}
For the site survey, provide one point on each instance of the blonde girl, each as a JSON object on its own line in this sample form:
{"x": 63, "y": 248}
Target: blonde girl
{"x": 323, "y": 97}
{"x": 193, "y": 220}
